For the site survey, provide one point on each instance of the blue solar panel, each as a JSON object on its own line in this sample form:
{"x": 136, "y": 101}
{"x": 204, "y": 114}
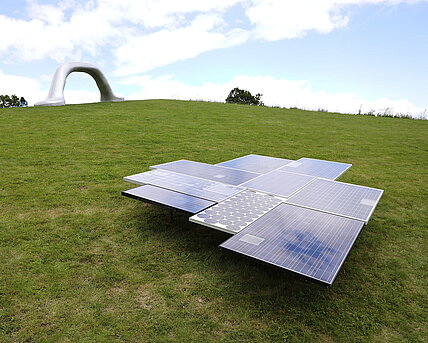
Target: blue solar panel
{"x": 186, "y": 184}
{"x": 167, "y": 198}
{"x": 279, "y": 183}
{"x": 340, "y": 198}
{"x": 208, "y": 171}
{"x": 319, "y": 168}
{"x": 256, "y": 163}
{"x": 308, "y": 242}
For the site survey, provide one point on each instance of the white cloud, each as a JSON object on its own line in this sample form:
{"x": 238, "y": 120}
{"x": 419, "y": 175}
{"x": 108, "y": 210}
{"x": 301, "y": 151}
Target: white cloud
{"x": 144, "y": 53}
{"x": 145, "y": 34}
{"x": 276, "y": 19}
{"x": 279, "y": 19}
{"x": 21, "y": 86}
{"x": 81, "y": 96}
{"x": 276, "y": 92}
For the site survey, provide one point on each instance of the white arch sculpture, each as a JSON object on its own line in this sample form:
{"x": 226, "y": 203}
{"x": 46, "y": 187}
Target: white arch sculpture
{"x": 56, "y": 92}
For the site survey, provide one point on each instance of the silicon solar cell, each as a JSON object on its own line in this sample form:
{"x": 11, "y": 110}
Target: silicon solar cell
{"x": 279, "y": 183}
{"x": 291, "y": 214}
{"x": 186, "y": 184}
{"x": 339, "y": 198}
{"x": 208, "y": 171}
{"x": 256, "y": 163}
{"x": 311, "y": 243}
{"x": 167, "y": 198}
{"x": 236, "y": 212}
{"x": 319, "y": 168}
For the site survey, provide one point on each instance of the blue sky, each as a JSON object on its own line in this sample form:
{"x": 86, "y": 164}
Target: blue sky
{"x": 339, "y": 55}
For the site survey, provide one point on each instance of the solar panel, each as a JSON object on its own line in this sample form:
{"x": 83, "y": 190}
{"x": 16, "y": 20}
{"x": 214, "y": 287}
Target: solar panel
{"x": 186, "y": 184}
{"x": 279, "y": 183}
{"x": 236, "y": 212}
{"x": 319, "y": 168}
{"x": 339, "y": 198}
{"x": 167, "y": 198}
{"x": 256, "y": 163}
{"x": 208, "y": 171}
{"x": 308, "y": 242}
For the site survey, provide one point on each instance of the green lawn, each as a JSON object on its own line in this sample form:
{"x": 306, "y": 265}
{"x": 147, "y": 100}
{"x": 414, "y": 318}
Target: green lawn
{"x": 81, "y": 263}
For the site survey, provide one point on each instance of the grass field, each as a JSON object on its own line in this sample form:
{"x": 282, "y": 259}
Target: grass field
{"x": 81, "y": 263}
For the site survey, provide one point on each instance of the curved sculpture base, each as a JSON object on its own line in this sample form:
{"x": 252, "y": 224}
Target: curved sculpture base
{"x": 56, "y": 92}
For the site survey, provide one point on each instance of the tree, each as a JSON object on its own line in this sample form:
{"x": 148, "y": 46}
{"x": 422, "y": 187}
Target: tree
{"x": 9, "y": 101}
{"x": 243, "y": 97}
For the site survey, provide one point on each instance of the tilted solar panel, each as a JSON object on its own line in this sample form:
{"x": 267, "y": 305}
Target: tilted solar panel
{"x": 207, "y": 171}
{"x": 279, "y": 183}
{"x": 319, "y": 168}
{"x": 167, "y": 198}
{"x": 305, "y": 241}
{"x": 236, "y": 212}
{"x": 256, "y": 163}
{"x": 205, "y": 189}
{"x": 340, "y": 198}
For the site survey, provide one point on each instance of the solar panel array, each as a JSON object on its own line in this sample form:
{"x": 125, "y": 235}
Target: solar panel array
{"x": 291, "y": 214}
{"x": 186, "y": 184}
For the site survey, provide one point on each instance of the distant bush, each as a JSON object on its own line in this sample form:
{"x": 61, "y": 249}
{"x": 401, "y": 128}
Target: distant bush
{"x": 243, "y": 97}
{"x": 9, "y": 101}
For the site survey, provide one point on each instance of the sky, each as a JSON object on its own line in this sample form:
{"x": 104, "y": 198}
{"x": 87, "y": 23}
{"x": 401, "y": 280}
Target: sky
{"x": 337, "y": 55}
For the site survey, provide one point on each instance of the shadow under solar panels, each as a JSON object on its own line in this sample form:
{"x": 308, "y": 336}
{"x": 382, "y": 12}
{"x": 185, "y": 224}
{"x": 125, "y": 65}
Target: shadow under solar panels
{"x": 319, "y": 168}
{"x": 166, "y": 198}
{"x": 308, "y": 242}
{"x": 208, "y": 171}
{"x": 256, "y": 163}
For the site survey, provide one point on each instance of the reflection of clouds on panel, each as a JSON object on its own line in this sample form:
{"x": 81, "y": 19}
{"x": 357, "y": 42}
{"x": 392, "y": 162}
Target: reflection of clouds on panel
{"x": 311, "y": 243}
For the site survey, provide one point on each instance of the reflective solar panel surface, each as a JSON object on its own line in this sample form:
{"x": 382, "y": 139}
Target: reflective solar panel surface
{"x": 236, "y": 212}
{"x": 308, "y": 242}
{"x": 161, "y": 196}
{"x": 319, "y": 168}
{"x": 340, "y": 198}
{"x": 256, "y": 163}
{"x": 208, "y": 171}
{"x": 186, "y": 184}
{"x": 279, "y": 183}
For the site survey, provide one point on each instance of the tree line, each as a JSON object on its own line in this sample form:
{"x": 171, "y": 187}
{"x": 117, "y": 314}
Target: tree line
{"x": 12, "y": 101}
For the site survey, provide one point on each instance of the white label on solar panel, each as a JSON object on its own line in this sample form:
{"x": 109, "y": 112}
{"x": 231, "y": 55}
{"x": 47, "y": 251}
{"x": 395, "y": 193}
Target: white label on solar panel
{"x": 251, "y": 239}
{"x": 294, "y": 164}
{"x": 368, "y": 202}
{"x": 219, "y": 176}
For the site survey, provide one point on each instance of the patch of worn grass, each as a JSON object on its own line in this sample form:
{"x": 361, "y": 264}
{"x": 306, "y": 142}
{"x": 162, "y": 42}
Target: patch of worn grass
{"x": 81, "y": 263}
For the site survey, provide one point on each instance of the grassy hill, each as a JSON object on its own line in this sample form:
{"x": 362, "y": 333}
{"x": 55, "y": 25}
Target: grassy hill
{"x": 81, "y": 263}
